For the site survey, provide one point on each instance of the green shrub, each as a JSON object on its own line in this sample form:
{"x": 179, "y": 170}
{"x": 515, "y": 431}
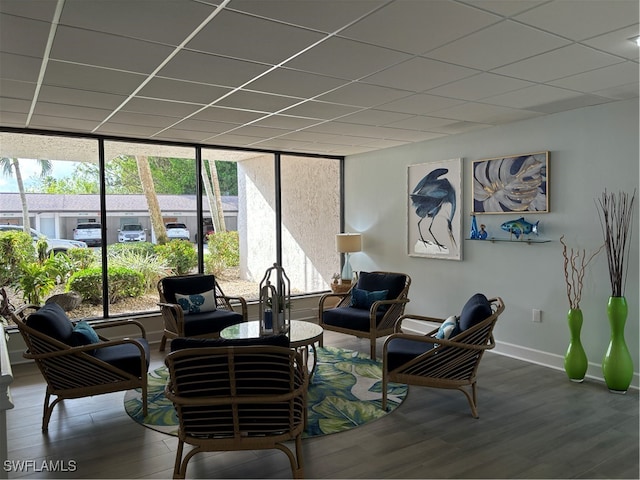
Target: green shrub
{"x": 35, "y": 282}
{"x": 149, "y": 265}
{"x": 179, "y": 255}
{"x": 224, "y": 252}
{"x": 41, "y": 249}
{"x": 123, "y": 283}
{"x": 15, "y": 248}
{"x": 141, "y": 248}
{"x": 82, "y": 258}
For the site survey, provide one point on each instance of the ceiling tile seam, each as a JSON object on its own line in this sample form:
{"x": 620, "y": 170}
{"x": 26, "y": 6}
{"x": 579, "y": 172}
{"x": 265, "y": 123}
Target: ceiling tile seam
{"x": 477, "y": 6}
{"x": 175, "y": 51}
{"x": 45, "y": 59}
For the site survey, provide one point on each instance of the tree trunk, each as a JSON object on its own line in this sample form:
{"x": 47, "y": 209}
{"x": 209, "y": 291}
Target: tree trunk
{"x": 149, "y": 190}
{"x": 26, "y": 224}
{"x": 216, "y": 190}
{"x": 210, "y": 200}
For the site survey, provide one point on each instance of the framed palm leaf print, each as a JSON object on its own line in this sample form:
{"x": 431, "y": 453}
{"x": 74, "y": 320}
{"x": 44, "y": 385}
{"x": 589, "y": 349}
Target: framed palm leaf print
{"x": 515, "y": 184}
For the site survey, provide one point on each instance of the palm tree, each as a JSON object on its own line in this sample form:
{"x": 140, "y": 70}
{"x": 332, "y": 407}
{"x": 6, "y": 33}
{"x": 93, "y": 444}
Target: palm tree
{"x": 149, "y": 189}
{"x": 9, "y": 164}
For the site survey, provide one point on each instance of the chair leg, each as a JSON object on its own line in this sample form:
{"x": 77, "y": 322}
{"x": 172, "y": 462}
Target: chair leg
{"x": 294, "y": 460}
{"x": 178, "y": 463}
{"x": 373, "y": 348}
{"x": 471, "y": 398}
{"x": 384, "y": 389}
{"x": 163, "y": 343}
{"x": 48, "y": 410}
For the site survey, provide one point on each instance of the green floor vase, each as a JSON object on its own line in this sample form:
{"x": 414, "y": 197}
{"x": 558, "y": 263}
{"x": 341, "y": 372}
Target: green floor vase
{"x": 617, "y": 365}
{"x": 575, "y": 360}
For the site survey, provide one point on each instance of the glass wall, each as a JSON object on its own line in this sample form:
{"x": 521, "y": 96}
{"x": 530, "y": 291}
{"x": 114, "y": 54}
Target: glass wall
{"x": 146, "y": 210}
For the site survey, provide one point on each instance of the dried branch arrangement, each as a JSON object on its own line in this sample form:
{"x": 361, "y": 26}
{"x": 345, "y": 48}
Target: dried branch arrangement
{"x": 616, "y": 220}
{"x": 575, "y": 264}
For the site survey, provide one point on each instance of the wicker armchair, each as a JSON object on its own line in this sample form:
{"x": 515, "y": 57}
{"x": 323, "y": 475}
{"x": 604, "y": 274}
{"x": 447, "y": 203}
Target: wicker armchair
{"x": 205, "y": 320}
{"x": 238, "y": 398}
{"x": 429, "y": 361}
{"x": 367, "y": 319}
{"x": 91, "y": 367}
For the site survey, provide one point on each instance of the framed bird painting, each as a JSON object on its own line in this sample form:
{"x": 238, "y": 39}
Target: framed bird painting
{"x": 434, "y": 213}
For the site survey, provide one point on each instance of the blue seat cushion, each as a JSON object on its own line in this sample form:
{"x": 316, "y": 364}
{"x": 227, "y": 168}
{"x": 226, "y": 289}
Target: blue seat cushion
{"x": 402, "y": 350}
{"x": 125, "y": 357}
{"x": 181, "y": 343}
{"x": 53, "y": 322}
{"x": 209, "y": 322}
{"x": 350, "y": 317}
{"x": 186, "y": 285}
{"x": 477, "y": 309}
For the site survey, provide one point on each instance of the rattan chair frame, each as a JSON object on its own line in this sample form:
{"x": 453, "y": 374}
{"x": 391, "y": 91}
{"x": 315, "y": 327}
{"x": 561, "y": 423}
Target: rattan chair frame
{"x": 173, "y": 315}
{"x": 235, "y": 431}
{"x": 452, "y": 365}
{"x": 384, "y": 327}
{"x": 73, "y": 372}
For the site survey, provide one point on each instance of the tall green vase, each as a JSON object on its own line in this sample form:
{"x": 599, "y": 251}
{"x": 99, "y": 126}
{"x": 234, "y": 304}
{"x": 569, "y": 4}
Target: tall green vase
{"x": 617, "y": 365}
{"x": 575, "y": 360}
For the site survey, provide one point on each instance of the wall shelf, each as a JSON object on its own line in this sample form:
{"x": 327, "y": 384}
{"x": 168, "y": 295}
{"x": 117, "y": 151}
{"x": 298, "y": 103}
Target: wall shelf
{"x": 528, "y": 241}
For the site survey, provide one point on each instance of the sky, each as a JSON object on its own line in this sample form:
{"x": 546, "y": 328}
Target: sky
{"x": 31, "y": 170}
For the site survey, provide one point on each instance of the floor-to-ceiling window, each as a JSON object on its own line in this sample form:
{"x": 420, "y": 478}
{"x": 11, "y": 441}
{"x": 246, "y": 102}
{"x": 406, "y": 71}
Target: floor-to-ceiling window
{"x": 164, "y": 209}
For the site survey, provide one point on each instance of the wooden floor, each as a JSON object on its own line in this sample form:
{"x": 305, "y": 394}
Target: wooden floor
{"x": 533, "y": 423}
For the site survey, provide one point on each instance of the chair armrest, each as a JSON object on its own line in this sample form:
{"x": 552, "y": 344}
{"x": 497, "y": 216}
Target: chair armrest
{"x": 437, "y": 341}
{"x": 84, "y": 348}
{"x": 21, "y": 311}
{"x": 118, "y": 323}
{"x": 421, "y": 318}
{"x": 324, "y": 297}
{"x": 238, "y": 300}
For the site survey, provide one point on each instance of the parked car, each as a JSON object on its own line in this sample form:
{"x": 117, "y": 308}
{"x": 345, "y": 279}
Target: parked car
{"x": 132, "y": 232}
{"x": 89, "y": 233}
{"x": 56, "y": 245}
{"x": 177, "y": 231}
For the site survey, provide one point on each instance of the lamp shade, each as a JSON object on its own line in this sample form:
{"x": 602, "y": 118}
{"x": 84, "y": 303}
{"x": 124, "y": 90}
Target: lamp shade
{"x": 348, "y": 242}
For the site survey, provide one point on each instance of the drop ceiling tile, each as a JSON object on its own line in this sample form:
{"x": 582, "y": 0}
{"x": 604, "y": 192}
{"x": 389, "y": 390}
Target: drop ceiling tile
{"x": 342, "y": 58}
{"x": 578, "y": 20}
{"x": 530, "y": 96}
{"x": 105, "y": 50}
{"x": 320, "y": 110}
{"x": 285, "y": 122}
{"x": 363, "y": 95}
{"x": 479, "y": 86}
{"x": 460, "y": 127}
{"x": 204, "y": 68}
{"x": 172, "y": 21}
{"x": 311, "y": 135}
{"x": 602, "y": 78}
{"x": 130, "y": 130}
{"x": 285, "y": 144}
{"x": 160, "y": 107}
{"x": 12, "y": 39}
{"x": 374, "y": 117}
{"x": 497, "y": 45}
{"x": 419, "y": 74}
{"x": 259, "y": 132}
{"x": 560, "y": 63}
{"x": 19, "y": 67}
{"x": 70, "y": 111}
{"x": 228, "y": 115}
{"x": 35, "y": 9}
{"x": 294, "y": 83}
{"x": 232, "y": 139}
{"x": 377, "y": 144}
{"x": 203, "y": 126}
{"x": 483, "y": 113}
{"x": 420, "y": 103}
{"x": 96, "y": 79}
{"x": 620, "y": 93}
{"x": 73, "y": 96}
{"x": 260, "y": 102}
{"x": 62, "y": 123}
{"x": 17, "y": 89}
{"x": 618, "y": 43}
{"x": 13, "y": 119}
{"x": 131, "y": 118}
{"x": 423, "y": 25}
{"x": 251, "y": 38}
{"x": 506, "y": 8}
{"x": 421, "y": 122}
{"x": 323, "y": 15}
{"x": 170, "y": 89}
{"x": 14, "y": 105}
{"x": 184, "y": 135}
{"x": 585, "y": 100}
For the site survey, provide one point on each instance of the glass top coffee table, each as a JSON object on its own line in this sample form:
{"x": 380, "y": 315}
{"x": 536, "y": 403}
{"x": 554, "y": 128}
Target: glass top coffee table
{"x": 302, "y": 335}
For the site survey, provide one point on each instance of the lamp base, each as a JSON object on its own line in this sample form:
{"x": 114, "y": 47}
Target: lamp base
{"x": 347, "y": 272}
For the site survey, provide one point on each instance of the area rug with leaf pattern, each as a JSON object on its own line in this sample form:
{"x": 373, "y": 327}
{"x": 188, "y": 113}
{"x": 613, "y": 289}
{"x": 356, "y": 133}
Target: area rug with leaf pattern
{"x": 344, "y": 392}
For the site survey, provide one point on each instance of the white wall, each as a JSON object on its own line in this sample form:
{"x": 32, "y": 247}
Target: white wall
{"x": 590, "y": 149}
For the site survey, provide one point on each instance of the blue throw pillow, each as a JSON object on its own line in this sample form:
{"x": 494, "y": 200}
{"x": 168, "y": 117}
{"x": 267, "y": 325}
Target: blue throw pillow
{"x": 364, "y": 299}
{"x": 84, "y": 334}
{"x": 447, "y": 327}
{"x": 197, "y": 302}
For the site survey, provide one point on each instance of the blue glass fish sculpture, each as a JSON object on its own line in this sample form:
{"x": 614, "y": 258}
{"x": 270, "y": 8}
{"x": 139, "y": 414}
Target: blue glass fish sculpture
{"x": 520, "y": 227}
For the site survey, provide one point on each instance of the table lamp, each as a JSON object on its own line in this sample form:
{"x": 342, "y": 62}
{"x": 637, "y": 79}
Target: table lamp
{"x": 348, "y": 243}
